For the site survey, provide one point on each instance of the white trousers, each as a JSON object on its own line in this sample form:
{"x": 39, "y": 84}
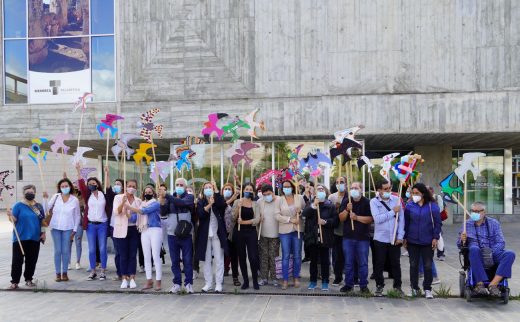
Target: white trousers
{"x": 151, "y": 240}
{"x": 213, "y": 248}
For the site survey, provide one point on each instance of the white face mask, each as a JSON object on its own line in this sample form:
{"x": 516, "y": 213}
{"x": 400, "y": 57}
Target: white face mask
{"x": 416, "y": 199}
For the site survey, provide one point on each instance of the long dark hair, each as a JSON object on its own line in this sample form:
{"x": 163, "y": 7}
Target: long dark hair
{"x": 252, "y": 186}
{"x": 427, "y": 196}
{"x": 72, "y": 189}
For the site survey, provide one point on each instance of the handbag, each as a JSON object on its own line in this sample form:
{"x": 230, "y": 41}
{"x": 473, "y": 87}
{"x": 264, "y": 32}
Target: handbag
{"x": 183, "y": 229}
{"x": 48, "y": 216}
{"x": 486, "y": 252}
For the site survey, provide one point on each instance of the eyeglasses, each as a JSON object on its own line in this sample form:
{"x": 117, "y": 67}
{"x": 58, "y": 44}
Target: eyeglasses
{"x": 477, "y": 210}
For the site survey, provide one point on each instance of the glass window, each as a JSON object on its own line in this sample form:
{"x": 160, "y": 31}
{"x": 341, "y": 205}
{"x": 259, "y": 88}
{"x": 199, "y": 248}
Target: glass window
{"x": 14, "y": 19}
{"x": 15, "y": 55}
{"x": 102, "y": 16}
{"x": 103, "y": 68}
{"x": 489, "y": 185}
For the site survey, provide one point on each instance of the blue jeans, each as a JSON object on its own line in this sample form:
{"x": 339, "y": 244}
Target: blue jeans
{"x": 291, "y": 244}
{"x": 97, "y": 232}
{"x": 434, "y": 269}
{"x": 61, "y": 240}
{"x": 503, "y": 259}
{"x": 356, "y": 250}
{"x": 175, "y": 245}
{"x": 77, "y": 239}
{"x": 127, "y": 250}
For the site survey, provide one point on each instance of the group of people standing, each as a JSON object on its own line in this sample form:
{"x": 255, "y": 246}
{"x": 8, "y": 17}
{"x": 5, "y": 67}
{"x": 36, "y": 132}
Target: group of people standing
{"x": 225, "y": 228}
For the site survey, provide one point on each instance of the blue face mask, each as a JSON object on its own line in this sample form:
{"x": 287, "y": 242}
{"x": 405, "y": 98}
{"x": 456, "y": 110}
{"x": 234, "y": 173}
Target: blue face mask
{"x": 475, "y": 216}
{"x": 116, "y": 189}
{"x": 179, "y": 190}
{"x": 354, "y": 193}
{"x": 321, "y": 195}
{"x": 386, "y": 195}
{"x": 65, "y": 190}
{"x": 248, "y": 194}
{"x": 268, "y": 198}
{"x": 208, "y": 192}
{"x": 287, "y": 191}
{"x": 407, "y": 194}
{"x": 340, "y": 187}
{"x": 227, "y": 194}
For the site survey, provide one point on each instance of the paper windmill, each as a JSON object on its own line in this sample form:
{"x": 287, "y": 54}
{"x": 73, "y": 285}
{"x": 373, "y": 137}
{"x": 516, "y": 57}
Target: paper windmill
{"x": 36, "y": 152}
{"x": 106, "y": 124}
{"x": 233, "y": 127}
{"x": 250, "y": 120}
{"x": 147, "y": 125}
{"x": 340, "y": 136}
{"x": 466, "y": 164}
{"x": 82, "y": 102}
{"x": 280, "y": 176}
{"x": 122, "y": 145}
{"x": 406, "y": 166}
{"x": 160, "y": 169}
{"x": 448, "y": 190}
{"x": 84, "y": 172}
{"x": 3, "y": 185}
{"x": 78, "y": 157}
{"x": 59, "y": 143}
{"x": 313, "y": 160}
{"x": 387, "y": 165}
{"x": 140, "y": 153}
{"x": 241, "y": 153}
{"x": 211, "y": 126}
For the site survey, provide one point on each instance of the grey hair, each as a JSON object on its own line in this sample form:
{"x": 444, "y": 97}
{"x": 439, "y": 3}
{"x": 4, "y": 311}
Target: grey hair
{"x": 358, "y": 182}
{"x": 184, "y": 181}
{"x": 479, "y": 203}
{"x": 29, "y": 186}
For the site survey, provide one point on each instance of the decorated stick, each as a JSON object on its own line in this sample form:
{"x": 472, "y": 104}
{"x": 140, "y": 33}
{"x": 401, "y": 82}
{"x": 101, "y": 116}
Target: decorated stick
{"x": 81, "y": 102}
{"x": 147, "y": 129}
{"x": 229, "y": 172}
{"x": 349, "y": 182}
{"x": 211, "y": 156}
{"x": 400, "y": 190}
{"x": 158, "y": 182}
{"x": 15, "y": 231}
{"x": 241, "y": 187}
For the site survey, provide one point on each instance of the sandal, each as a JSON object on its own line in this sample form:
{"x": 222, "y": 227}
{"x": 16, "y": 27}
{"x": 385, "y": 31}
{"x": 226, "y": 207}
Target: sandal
{"x": 29, "y": 284}
{"x": 236, "y": 282}
{"x": 13, "y": 286}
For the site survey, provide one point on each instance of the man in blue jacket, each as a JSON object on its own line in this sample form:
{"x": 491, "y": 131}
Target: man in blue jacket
{"x": 385, "y": 207}
{"x": 177, "y": 207}
{"x": 481, "y": 233}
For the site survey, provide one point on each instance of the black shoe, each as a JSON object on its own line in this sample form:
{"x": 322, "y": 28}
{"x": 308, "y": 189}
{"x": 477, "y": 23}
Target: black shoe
{"x": 226, "y": 273}
{"x": 256, "y": 286}
{"x": 346, "y": 289}
{"x": 306, "y": 259}
{"x": 379, "y": 291}
{"x": 245, "y": 285}
{"x": 336, "y": 282}
{"x": 372, "y": 276}
{"x": 365, "y": 290}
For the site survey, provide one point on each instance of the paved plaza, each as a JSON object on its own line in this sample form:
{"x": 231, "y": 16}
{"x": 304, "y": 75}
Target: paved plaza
{"x": 83, "y": 300}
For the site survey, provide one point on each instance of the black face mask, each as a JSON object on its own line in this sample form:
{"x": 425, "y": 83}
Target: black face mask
{"x": 248, "y": 195}
{"x": 92, "y": 187}
{"x": 30, "y": 196}
{"x": 148, "y": 197}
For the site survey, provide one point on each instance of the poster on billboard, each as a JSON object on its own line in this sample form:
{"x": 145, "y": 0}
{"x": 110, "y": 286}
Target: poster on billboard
{"x": 59, "y": 58}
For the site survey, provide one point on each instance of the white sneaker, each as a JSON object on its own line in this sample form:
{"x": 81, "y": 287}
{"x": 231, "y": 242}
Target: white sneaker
{"x": 188, "y": 288}
{"x": 428, "y": 294}
{"x": 262, "y": 282}
{"x": 124, "y": 284}
{"x": 70, "y": 266}
{"x": 436, "y": 281}
{"x": 132, "y": 283}
{"x": 141, "y": 269}
{"x": 206, "y": 288}
{"x": 78, "y": 266}
{"x": 176, "y": 288}
{"x": 218, "y": 288}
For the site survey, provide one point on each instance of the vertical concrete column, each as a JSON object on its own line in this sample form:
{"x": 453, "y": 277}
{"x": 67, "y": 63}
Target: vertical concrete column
{"x": 508, "y": 181}
{"x": 437, "y": 165}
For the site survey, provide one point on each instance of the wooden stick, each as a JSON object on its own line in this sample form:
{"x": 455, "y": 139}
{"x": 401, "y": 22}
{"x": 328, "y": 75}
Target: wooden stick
{"x": 373, "y": 183}
{"x": 106, "y": 154}
{"x": 251, "y": 164}
{"x": 229, "y": 172}
{"x": 318, "y": 209}
{"x": 349, "y": 182}
{"x": 80, "y": 125}
{"x": 158, "y": 181}
{"x": 124, "y": 171}
{"x": 465, "y": 199}
{"x": 339, "y": 164}
{"x": 41, "y": 173}
{"x": 211, "y": 155}
{"x": 16, "y": 232}
{"x": 141, "y": 175}
{"x": 241, "y": 188}
{"x": 63, "y": 160}
{"x": 397, "y": 213}
{"x": 299, "y": 212}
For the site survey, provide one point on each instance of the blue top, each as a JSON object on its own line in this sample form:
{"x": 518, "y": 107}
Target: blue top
{"x": 494, "y": 239}
{"x": 28, "y": 223}
{"x": 153, "y": 212}
{"x": 422, "y": 226}
{"x": 384, "y": 219}
{"x": 174, "y": 204}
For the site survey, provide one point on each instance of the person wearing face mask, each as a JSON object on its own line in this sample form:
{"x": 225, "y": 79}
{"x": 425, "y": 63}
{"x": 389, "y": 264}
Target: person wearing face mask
{"x": 338, "y": 261}
{"x": 231, "y": 261}
{"x": 28, "y": 217}
{"x": 484, "y": 235}
{"x": 212, "y": 237}
{"x": 384, "y": 208}
{"x": 195, "y": 221}
{"x": 319, "y": 249}
{"x": 289, "y": 222}
{"x": 178, "y": 207}
{"x": 247, "y": 216}
{"x": 78, "y": 236}
{"x": 63, "y": 225}
{"x": 126, "y": 234}
{"x": 149, "y": 224}
{"x": 269, "y": 244}
{"x": 356, "y": 242}
{"x": 97, "y": 205}
{"x": 421, "y": 234}
{"x": 117, "y": 189}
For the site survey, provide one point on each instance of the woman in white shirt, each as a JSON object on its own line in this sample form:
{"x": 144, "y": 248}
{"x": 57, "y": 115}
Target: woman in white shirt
{"x": 64, "y": 224}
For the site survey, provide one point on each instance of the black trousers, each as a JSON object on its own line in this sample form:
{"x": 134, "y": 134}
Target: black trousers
{"x": 321, "y": 254}
{"x": 32, "y": 250}
{"x": 384, "y": 251}
{"x": 339, "y": 258}
{"x": 246, "y": 243}
{"x": 140, "y": 251}
{"x": 415, "y": 252}
{"x": 232, "y": 259}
